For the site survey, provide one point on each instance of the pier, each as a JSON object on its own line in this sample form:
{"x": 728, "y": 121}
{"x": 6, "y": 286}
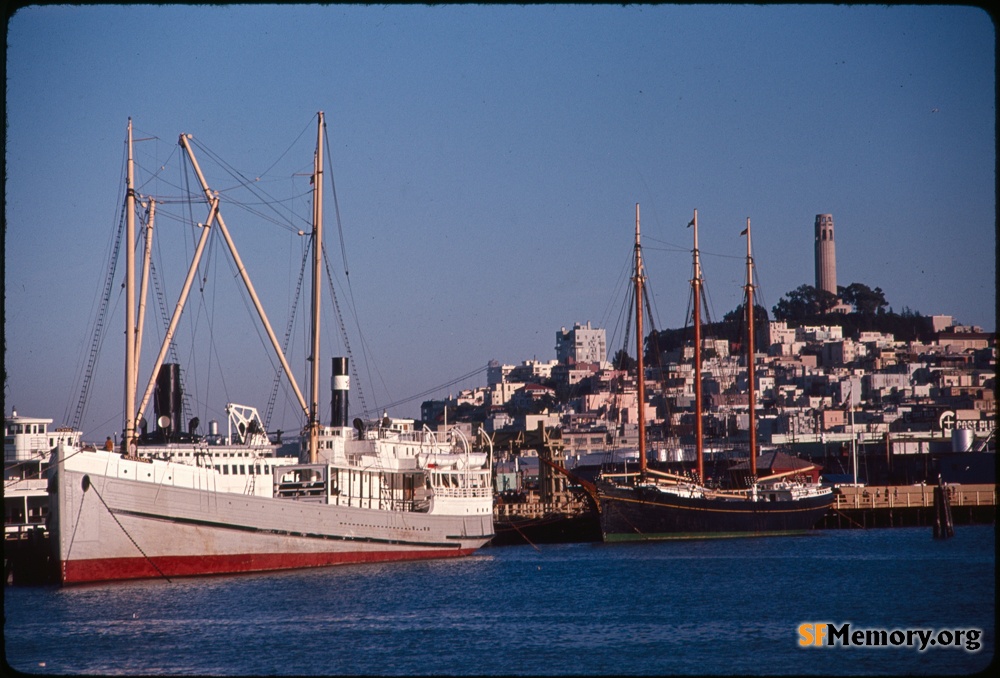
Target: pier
{"x": 568, "y": 519}
{"x": 908, "y": 506}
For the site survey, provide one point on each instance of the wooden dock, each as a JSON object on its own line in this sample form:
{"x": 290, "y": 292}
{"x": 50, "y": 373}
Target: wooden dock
{"x": 908, "y": 506}
{"x": 535, "y": 522}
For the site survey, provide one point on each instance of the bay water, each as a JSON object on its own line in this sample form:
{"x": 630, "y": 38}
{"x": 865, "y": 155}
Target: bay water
{"x": 724, "y": 607}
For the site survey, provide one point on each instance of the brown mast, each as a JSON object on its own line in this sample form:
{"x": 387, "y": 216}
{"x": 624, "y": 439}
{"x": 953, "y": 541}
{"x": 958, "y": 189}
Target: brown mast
{"x": 639, "y": 279}
{"x": 696, "y": 292}
{"x": 750, "y": 357}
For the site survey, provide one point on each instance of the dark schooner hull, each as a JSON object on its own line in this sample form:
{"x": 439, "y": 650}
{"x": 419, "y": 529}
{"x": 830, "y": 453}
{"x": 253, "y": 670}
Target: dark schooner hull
{"x": 646, "y": 513}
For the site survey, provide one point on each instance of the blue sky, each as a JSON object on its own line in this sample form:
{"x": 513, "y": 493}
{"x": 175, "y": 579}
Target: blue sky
{"x": 487, "y": 163}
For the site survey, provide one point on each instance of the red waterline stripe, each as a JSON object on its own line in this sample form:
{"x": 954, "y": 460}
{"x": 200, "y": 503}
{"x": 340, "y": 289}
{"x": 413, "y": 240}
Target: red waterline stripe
{"x": 113, "y": 569}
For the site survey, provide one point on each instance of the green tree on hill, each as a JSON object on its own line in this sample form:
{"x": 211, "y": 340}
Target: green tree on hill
{"x": 804, "y": 302}
{"x": 866, "y": 301}
{"x": 806, "y": 305}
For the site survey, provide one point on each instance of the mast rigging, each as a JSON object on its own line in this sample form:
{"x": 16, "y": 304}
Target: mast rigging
{"x": 751, "y": 385}
{"x": 640, "y": 368}
{"x": 696, "y": 286}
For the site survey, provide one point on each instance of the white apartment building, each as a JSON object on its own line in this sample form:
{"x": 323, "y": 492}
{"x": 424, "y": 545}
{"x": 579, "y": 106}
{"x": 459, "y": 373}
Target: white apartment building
{"x": 582, "y": 344}
{"x": 780, "y": 333}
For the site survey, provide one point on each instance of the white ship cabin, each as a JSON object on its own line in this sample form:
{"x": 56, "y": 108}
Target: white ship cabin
{"x": 245, "y": 474}
{"x": 242, "y": 470}
{"x": 27, "y": 443}
{"x": 393, "y": 467}
{"x": 244, "y": 459}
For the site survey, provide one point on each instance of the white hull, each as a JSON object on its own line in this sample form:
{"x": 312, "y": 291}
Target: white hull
{"x": 194, "y": 509}
{"x": 116, "y": 518}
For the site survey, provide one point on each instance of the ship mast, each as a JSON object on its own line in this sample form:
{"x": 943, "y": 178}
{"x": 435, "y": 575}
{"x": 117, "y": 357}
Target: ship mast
{"x": 130, "y": 369}
{"x": 316, "y": 290}
{"x": 310, "y": 409}
{"x": 696, "y": 285}
{"x": 144, "y": 284}
{"x": 750, "y": 357}
{"x": 639, "y": 281}
{"x": 215, "y": 216}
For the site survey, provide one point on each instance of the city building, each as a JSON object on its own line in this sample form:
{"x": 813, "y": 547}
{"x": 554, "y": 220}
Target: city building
{"x": 582, "y": 344}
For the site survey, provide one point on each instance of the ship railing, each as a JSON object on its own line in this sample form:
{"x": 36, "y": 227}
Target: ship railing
{"x": 383, "y": 503}
{"x": 421, "y": 437}
{"x": 406, "y": 505}
{"x": 463, "y": 492}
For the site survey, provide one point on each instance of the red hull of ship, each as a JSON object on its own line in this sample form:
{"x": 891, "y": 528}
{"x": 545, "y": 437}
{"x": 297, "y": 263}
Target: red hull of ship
{"x": 114, "y": 569}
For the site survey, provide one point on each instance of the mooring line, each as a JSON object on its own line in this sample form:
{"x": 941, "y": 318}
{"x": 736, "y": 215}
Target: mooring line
{"x": 115, "y": 518}
{"x": 79, "y": 514}
{"x": 849, "y": 519}
{"x": 514, "y": 525}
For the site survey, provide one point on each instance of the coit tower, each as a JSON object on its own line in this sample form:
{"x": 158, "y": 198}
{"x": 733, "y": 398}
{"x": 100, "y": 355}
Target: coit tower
{"x": 826, "y": 256}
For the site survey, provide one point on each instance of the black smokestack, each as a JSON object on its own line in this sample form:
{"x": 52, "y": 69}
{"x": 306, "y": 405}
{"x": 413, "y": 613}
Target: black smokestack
{"x": 341, "y": 386}
{"x": 167, "y": 400}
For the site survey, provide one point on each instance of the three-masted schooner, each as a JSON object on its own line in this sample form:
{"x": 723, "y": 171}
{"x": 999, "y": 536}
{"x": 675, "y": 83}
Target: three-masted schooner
{"x": 654, "y": 505}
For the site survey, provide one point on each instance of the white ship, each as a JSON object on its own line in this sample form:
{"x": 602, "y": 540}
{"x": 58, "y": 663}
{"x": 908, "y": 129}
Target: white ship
{"x": 356, "y": 494}
{"x": 383, "y": 495}
{"x": 27, "y": 446}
